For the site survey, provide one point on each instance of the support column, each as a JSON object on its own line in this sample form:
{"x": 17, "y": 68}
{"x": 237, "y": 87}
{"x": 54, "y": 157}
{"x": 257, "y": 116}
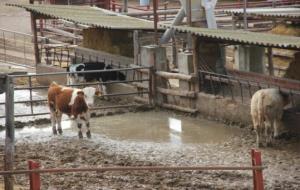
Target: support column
{"x": 35, "y": 39}
{"x": 185, "y": 66}
{"x": 156, "y": 56}
{"x": 270, "y": 61}
{"x": 9, "y": 150}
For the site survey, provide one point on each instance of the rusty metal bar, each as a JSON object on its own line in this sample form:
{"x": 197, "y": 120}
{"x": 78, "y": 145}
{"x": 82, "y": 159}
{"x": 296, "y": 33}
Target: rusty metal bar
{"x": 93, "y": 71}
{"x": 84, "y": 84}
{"x": 133, "y": 168}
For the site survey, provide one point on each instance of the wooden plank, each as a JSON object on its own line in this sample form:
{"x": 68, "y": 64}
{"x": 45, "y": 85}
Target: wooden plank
{"x": 185, "y": 93}
{"x": 10, "y": 133}
{"x": 179, "y": 108}
{"x": 179, "y": 76}
{"x": 141, "y": 85}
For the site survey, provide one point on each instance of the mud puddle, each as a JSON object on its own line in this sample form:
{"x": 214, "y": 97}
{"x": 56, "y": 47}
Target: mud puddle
{"x": 162, "y": 127}
{"x": 156, "y": 127}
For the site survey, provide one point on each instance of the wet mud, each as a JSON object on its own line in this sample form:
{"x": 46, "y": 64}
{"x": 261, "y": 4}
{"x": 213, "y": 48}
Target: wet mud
{"x": 151, "y": 139}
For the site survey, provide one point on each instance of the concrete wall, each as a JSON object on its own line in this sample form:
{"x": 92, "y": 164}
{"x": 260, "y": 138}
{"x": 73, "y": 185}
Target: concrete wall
{"x": 46, "y": 80}
{"x": 225, "y": 109}
{"x": 118, "y": 42}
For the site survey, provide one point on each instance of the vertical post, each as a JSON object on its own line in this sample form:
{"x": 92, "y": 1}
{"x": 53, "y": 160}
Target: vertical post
{"x": 189, "y": 22}
{"x": 125, "y": 6}
{"x": 9, "y": 132}
{"x": 245, "y": 15}
{"x": 155, "y": 21}
{"x": 136, "y": 47}
{"x": 270, "y": 61}
{"x": 196, "y": 63}
{"x": 258, "y": 182}
{"x": 35, "y": 40}
{"x": 151, "y": 87}
{"x": 4, "y": 46}
{"x": 30, "y": 93}
{"x": 34, "y": 178}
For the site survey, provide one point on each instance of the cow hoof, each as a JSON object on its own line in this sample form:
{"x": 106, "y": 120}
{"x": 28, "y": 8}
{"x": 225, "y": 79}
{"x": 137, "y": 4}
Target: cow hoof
{"x": 88, "y": 134}
{"x": 54, "y": 132}
{"x": 80, "y": 135}
{"x": 60, "y": 131}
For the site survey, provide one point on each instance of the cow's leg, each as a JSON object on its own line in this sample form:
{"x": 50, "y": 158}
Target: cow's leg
{"x": 269, "y": 132}
{"x": 259, "y": 134}
{"x": 59, "y": 116}
{"x": 87, "y": 123}
{"x": 79, "y": 125}
{"x": 53, "y": 121}
{"x": 258, "y": 129}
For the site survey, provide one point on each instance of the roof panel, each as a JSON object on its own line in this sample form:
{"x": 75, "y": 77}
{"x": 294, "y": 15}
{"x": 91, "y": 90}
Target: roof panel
{"x": 87, "y": 15}
{"x": 242, "y": 37}
{"x": 292, "y": 13}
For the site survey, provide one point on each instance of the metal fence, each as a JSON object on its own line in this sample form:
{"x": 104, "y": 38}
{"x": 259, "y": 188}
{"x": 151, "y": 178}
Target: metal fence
{"x": 238, "y": 88}
{"x": 27, "y": 95}
{"x": 16, "y": 47}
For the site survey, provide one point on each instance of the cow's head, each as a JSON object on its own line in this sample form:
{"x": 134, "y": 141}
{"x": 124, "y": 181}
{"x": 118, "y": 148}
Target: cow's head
{"x": 89, "y": 93}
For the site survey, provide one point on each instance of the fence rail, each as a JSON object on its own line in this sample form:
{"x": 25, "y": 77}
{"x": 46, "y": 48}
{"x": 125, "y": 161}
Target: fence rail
{"x": 32, "y": 101}
{"x": 34, "y": 170}
{"x": 241, "y": 88}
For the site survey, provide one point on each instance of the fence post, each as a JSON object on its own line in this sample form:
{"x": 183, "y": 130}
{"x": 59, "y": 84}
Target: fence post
{"x": 9, "y": 132}
{"x": 34, "y": 178}
{"x": 258, "y": 182}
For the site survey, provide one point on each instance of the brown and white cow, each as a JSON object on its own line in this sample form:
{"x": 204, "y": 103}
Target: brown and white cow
{"x": 266, "y": 111}
{"x": 71, "y": 101}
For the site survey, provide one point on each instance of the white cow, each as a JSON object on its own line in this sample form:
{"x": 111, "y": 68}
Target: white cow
{"x": 266, "y": 111}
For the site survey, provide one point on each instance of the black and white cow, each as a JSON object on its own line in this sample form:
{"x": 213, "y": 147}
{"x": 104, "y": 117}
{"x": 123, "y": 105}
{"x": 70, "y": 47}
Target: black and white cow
{"x": 74, "y": 78}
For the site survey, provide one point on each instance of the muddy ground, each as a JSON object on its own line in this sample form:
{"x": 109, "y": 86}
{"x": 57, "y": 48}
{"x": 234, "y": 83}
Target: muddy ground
{"x": 108, "y": 149}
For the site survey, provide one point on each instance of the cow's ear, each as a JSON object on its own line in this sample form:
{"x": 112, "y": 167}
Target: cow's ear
{"x": 80, "y": 93}
{"x": 97, "y": 92}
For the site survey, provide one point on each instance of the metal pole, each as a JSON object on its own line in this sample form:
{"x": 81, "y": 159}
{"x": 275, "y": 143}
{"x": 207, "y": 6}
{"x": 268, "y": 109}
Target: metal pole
{"x": 155, "y": 21}
{"x": 245, "y": 15}
{"x": 9, "y": 132}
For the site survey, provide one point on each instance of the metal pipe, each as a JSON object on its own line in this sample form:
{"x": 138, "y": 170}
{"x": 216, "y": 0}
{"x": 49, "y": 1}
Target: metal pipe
{"x": 93, "y": 71}
{"x": 137, "y": 168}
{"x": 169, "y": 32}
{"x": 245, "y": 15}
{"x": 84, "y": 84}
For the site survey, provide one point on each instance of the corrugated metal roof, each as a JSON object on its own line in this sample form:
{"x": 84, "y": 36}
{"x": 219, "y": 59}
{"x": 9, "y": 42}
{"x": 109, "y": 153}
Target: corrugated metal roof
{"x": 87, "y": 15}
{"x": 242, "y": 37}
{"x": 292, "y": 13}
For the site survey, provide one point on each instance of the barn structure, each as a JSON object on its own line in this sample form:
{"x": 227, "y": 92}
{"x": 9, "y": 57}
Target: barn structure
{"x": 201, "y": 75}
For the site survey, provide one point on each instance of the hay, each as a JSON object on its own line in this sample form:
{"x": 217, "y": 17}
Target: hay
{"x": 286, "y": 29}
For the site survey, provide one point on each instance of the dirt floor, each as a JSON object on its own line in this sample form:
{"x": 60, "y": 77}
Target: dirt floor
{"x": 123, "y": 140}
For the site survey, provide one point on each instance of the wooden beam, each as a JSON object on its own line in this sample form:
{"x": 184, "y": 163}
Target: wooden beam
{"x": 179, "y": 108}
{"x": 35, "y": 40}
{"x": 185, "y": 93}
{"x": 270, "y": 62}
{"x": 180, "y": 76}
{"x": 9, "y": 133}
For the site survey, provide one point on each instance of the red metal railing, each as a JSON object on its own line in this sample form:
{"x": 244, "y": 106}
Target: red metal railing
{"x": 35, "y": 180}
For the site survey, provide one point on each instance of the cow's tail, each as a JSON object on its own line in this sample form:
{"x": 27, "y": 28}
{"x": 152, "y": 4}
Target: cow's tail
{"x": 261, "y": 110}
